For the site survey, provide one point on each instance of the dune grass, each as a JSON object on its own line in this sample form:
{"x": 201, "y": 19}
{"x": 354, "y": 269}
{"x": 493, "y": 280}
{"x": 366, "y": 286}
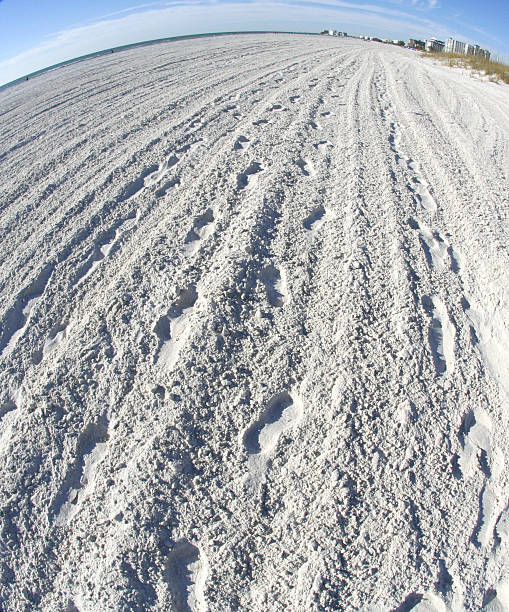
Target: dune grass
{"x": 497, "y": 71}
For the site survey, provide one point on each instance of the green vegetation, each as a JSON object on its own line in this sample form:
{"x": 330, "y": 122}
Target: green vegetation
{"x": 497, "y": 71}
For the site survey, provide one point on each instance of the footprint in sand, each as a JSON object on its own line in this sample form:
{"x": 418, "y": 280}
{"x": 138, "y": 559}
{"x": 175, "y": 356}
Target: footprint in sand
{"x": 80, "y": 481}
{"x": 275, "y": 285}
{"x": 306, "y": 167}
{"x": 248, "y": 177}
{"x": 441, "y": 335}
{"x": 436, "y": 249}
{"x": 167, "y": 186}
{"x": 55, "y": 337}
{"x": 477, "y": 453}
{"x": 241, "y": 143}
{"x": 172, "y": 329}
{"x": 203, "y": 227}
{"x": 185, "y": 572}
{"x": 323, "y": 146}
{"x": 261, "y": 437}
{"x": 314, "y": 221}
{"x": 17, "y": 318}
{"x": 276, "y": 107}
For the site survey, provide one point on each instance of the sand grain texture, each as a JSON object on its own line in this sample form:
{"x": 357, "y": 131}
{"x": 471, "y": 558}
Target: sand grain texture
{"x": 254, "y": 332}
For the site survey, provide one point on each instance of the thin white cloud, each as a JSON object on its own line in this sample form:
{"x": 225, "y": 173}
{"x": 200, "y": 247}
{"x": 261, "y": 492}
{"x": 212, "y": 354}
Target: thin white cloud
{"x": 131, "y": 9}
{"x": 483, "y": 33}
{"x": 361, "y": 8}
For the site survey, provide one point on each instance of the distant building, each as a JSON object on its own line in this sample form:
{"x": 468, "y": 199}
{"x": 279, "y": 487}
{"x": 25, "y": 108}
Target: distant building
{"x": 432, "y": 44}
{"x": 456, "y": 46}
{"x": 413, "y": 43}
{"x": 473, "y": 49}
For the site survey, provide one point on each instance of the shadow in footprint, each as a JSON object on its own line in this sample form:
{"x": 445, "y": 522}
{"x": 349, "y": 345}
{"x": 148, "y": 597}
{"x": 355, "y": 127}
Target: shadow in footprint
{"x": 174, "y": 182}
{"x": 315, "y": 219}
{"x": 182, "y": 568}
{"x": 171, "y": 329}
{"x": 281, "y": 413}
{"x": 132, "y": 188}
{"x": 410, "y": 602}
{"x": 306, "y": 167}
{"x": 244, "y": 178}
{"x": 186, "y": 299}
{"x": 241, "y": 143}
{"x": 441, "y": 335}
{"x": 436, "y": 341}
{"x": 322, "y": 146}
{"x": 201, "y": 222}
{"x": 162, "y": 329}
{"x": 271, "y": 278}
{"x": 203, "y": 227}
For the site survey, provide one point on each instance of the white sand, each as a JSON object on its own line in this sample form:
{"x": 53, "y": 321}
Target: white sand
{"x": 254, "y": 331}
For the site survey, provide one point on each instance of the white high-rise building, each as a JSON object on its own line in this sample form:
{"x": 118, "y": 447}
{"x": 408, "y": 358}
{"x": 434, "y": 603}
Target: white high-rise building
{"x": 432, "y": 44}
{"x": 454, "y": 46}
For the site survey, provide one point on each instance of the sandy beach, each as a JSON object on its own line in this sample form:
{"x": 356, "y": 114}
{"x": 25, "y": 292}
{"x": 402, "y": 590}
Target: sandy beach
{"x": 254, "y": 336}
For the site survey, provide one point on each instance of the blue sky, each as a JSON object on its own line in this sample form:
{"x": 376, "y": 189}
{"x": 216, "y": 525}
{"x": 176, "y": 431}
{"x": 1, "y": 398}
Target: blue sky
{"x": 35, "y": 34}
